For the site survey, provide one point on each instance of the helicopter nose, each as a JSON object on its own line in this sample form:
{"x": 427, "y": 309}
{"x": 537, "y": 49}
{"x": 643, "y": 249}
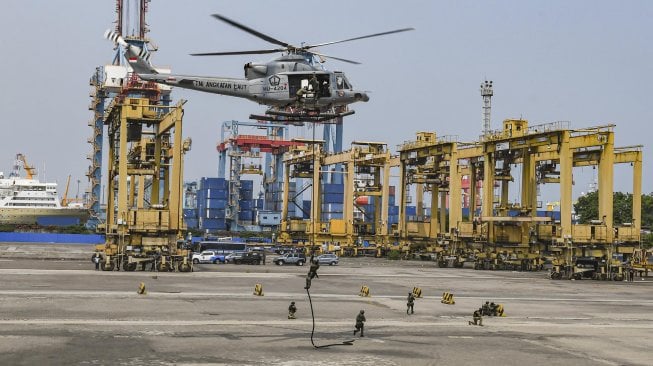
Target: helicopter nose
{"x": 362, "y": 96}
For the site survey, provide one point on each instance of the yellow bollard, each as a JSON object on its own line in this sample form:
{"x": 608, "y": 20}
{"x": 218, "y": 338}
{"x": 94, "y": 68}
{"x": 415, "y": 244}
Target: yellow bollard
{"x": 447, "y": 298}
{"x": 258, "y": 290}
{"x": 365, "y": 291}
{"x": 141, "y": 289}
{"x": 500, "y": 310}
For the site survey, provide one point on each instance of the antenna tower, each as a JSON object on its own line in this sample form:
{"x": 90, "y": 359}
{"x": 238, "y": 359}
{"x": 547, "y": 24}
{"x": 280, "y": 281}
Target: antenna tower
{"x": 486, "y": 93}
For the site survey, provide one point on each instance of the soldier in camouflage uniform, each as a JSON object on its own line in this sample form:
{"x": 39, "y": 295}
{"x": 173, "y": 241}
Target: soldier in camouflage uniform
{"x": 485, "y": 310}
{"x": 291, "y": 310}
{"x": 410, "y": 303}
{"x": 478, "y": 318}
{"x": 312, "y": 272}
{"x": 315, "y": 86}
{"x": 360, "y": 322}
{"x": 494, "y": 309}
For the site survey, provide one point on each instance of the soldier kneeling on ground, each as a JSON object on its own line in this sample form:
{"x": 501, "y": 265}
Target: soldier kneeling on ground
{"x": 291, "y": 310}
{"x": 478, "y": 318}
{"x": 494, "y": 309}
{"x": 485, "y": 309}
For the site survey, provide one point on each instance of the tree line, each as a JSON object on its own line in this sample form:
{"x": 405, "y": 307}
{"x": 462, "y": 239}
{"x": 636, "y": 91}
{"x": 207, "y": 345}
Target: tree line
{"x": 587, "y": 209}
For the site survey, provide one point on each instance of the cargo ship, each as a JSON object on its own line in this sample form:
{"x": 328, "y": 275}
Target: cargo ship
{"x": 28, "y": 201}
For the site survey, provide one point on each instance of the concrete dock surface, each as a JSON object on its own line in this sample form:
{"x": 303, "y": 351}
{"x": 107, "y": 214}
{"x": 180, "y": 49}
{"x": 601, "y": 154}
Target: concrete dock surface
{"x": 63, "y": 312}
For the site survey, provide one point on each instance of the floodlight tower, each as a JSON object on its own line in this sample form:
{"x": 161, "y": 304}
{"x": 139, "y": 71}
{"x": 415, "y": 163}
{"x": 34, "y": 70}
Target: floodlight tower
{"x": 486, "y": 93}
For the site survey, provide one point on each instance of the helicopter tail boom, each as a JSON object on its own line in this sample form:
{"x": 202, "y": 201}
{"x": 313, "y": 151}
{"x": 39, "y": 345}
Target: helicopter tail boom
{"x": 225, "y": 86}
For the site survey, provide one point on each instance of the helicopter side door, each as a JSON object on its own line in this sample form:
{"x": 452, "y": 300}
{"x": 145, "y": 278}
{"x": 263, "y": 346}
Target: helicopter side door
{"x": 297, "y": 82}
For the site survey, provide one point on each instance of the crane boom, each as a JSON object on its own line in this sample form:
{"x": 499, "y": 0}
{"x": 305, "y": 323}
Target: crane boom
{"x": 64, "y": 200}
{"x": 30, "y": 171}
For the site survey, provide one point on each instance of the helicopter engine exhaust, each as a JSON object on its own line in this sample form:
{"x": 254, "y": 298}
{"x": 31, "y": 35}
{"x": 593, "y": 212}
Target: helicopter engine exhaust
{"x": 255, "y": 70}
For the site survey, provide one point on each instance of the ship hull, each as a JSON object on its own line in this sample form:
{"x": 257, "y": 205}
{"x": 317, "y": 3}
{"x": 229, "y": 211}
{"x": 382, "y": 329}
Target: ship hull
{"x": 46, "y": 216}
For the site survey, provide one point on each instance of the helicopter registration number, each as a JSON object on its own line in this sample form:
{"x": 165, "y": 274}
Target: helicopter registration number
{"x": 275, "y": 88}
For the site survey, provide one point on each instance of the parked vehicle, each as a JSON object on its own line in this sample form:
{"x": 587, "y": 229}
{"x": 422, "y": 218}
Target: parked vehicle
{"x": 249, "y": 258}
{"x": 291, "y": 258}
{"x": 208, "y": 256}
{"x": 330, "y": 259}
{"x": 231, "y": 257}
{"x": 279, "y": 249}
{"x": 220, "y": 247}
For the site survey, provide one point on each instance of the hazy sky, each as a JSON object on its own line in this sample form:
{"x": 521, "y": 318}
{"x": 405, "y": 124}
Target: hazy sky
{"x": 588, "y": 62}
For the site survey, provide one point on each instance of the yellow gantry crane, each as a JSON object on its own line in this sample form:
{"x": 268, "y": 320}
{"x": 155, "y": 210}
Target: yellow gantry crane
{"x": 144, "y": 222}
{"x": 495, "y": 233}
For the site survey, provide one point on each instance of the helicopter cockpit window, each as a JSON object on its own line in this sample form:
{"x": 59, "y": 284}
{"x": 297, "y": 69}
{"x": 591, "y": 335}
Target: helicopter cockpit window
{"x": 341, "y": 82}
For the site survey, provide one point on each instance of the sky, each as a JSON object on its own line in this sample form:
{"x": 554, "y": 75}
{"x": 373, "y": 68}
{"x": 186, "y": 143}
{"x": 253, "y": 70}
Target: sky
{"x": 587, "y": 62}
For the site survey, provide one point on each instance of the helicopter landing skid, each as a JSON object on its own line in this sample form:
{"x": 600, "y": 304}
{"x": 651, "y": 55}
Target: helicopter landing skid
{"x": 300, "y": 117}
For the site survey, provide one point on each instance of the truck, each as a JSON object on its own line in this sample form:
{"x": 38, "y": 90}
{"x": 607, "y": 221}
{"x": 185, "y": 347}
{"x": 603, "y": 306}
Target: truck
{"x": 249, "y": 258}
{"x": 291, "y": 258}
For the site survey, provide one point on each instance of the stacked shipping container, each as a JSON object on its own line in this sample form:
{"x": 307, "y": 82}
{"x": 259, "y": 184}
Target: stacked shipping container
{"x": 211, "y": 203}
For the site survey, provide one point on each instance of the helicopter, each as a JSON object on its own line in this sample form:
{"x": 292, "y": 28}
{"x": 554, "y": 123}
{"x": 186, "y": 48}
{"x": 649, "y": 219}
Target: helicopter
{"x": 294, "y": 86}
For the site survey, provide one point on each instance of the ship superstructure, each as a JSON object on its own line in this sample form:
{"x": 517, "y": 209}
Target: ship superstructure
{"x": 27, "y": 200}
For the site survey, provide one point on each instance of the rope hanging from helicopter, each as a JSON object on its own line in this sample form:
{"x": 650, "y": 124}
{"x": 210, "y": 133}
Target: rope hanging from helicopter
{"x": 311, "y": 274}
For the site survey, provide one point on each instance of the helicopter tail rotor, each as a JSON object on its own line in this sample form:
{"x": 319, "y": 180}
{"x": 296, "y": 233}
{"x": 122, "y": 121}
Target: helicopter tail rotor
{"x": 138, "y": 57}
{"x": 115, "y": 38}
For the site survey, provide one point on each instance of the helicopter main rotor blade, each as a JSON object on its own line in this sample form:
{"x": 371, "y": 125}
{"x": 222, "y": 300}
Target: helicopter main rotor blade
{"x": 253, "y": 52}
{"x": 251, "y": 31}
{"x": 335, "y": 58}
{"x": 361, "y": 37}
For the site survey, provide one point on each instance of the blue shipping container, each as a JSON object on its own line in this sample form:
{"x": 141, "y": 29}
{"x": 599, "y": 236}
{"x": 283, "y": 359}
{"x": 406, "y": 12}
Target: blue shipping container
{"x": 190, "y": 213}
{"x": 247, "y": 184}
{"x": 246, "y": 194}
{"x": 393, "y": 210}
{"x": 192, "y": 223}
{"x": 216, "y": 193}
{"x": 332, "y": 207}
{"x": 544, "y": 213}
{"x": 219, "y": 183}
{"x": 214, "y": 203}
{"x": 213, "y": 213}
{"x": 212, "y": 224}
{"x": 306, "y": 205}
{"x": 333, "y": 188}
{"x": 246, "y": 215}
{"x": 246, "y": 205}
{"x": 332, "y": 198}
